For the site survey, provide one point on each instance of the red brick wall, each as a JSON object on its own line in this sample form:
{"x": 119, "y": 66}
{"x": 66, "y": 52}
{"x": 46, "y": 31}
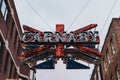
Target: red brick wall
{"x": 6, "y": 28}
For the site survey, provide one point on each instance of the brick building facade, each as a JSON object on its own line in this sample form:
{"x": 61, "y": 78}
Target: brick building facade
{"x": 109, "y": 67}
{"x": 10, "y": 34}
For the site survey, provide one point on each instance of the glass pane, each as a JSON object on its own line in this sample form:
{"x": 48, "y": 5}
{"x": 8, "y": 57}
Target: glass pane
{"x": 5, "y": 14}
{"x": 108, "y": 56}
{"x": 112, "y": 46}
{"x": 0, "y": 3}
{"x": 3, "y": 8}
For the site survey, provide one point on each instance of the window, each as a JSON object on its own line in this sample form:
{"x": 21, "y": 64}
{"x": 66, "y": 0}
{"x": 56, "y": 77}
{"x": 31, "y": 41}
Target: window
{"x": 104, "y": 64}
{"x": 112, "y": 46}
{"x": 108, "y": 56}
{"x": 4, "y": 10}
{"x": 118, "y": 74}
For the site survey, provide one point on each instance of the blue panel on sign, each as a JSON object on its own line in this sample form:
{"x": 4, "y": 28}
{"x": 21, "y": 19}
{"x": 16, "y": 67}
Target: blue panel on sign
{"x": 90, "y": 45}
{"x": 32, "y": 46}
{"x": 71, "y": 64}
{"x": 49, "y": 64}
{"x": 68, "y": 45}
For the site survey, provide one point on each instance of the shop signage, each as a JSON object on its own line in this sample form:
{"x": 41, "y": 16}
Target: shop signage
{"x": 88, "y": 36}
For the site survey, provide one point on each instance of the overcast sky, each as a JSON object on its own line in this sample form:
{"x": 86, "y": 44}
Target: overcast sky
{"x": 65, "y": 11}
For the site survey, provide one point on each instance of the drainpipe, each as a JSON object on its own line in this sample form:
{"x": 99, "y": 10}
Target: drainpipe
{"x": 22, "y": 75}
{"x": 18, "y": 69}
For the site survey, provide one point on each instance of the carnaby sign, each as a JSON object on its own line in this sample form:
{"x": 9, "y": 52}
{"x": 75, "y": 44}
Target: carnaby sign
{"x": 50, "y": 46}
{"x": 64, "y": 37}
